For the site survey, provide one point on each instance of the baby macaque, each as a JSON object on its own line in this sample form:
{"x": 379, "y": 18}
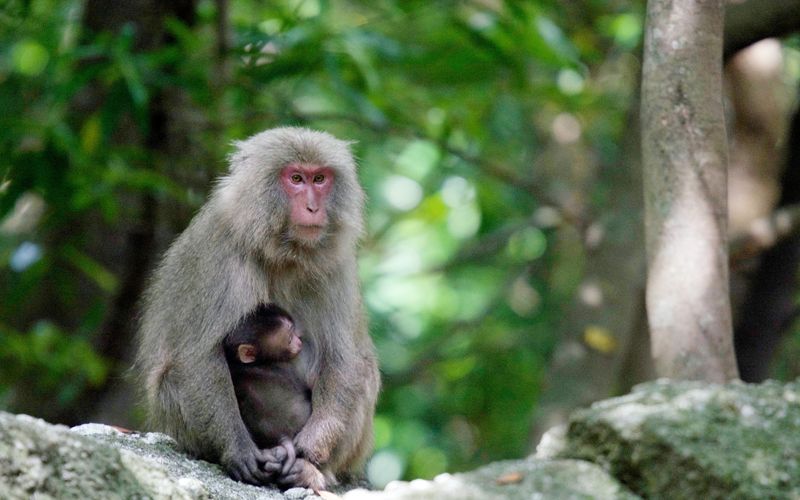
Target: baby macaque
{"x": 274, "y": 400}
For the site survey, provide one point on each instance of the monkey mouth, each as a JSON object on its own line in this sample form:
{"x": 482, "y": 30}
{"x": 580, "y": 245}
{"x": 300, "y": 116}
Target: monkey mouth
{"x": 310, "y": 232}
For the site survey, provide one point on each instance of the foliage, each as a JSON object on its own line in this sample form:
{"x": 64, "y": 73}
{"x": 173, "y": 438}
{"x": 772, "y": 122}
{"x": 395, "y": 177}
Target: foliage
{"x": 460, "y": 277}
{"x": 60, "y": 366}
{"x": 481, "y": 127}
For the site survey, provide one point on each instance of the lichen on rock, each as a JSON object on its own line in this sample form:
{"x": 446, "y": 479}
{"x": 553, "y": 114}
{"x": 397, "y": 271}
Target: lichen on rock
{"x": 694, "y": 440}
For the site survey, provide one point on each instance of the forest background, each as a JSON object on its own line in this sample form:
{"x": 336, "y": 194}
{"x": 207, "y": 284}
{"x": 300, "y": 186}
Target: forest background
{"x": 504, "y": 267}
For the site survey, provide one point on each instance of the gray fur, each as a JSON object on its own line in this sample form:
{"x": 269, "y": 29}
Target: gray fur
{"x": 235, "y": 254}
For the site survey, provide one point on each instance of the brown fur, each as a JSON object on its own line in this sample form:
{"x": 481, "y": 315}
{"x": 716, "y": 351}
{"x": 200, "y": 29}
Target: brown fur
{"x": 273, "y": 394}
{"x": 236, "y": 254}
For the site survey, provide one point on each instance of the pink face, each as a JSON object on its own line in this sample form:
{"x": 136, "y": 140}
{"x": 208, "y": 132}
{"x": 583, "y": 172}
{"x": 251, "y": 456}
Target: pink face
{"x": 308, "y": 187}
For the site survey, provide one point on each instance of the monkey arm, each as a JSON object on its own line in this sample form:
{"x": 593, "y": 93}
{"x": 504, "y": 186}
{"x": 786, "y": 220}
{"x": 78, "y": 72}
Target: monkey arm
{"x": 209, "y": 424}
{"x": 338, "y": 435}
{"x": 195, "y": 298}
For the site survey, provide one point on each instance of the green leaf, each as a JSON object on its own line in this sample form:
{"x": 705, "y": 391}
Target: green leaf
{"x": 29, "y": 57}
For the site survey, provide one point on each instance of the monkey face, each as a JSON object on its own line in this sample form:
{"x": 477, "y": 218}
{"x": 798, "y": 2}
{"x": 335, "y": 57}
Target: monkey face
{"x": 295, "y": 343}
{"x": 290, "y": 337}
{"x": 281, "y": 344}
{"x": 308, "y": 188}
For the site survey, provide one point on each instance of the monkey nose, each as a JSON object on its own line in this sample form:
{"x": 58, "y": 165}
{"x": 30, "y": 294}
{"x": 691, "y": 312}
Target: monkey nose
{"x": 313, "y": 210}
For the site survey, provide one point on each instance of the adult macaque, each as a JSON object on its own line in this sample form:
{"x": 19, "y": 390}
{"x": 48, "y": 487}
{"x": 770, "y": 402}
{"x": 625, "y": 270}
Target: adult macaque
{"x": 281, "y": 227}
{"x": 274, "y": 400}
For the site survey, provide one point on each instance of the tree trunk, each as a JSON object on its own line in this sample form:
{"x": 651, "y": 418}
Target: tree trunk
{"x": 685, "y": 159}
{"x": 133, "y": 235}
{"x": 566, "y": 386}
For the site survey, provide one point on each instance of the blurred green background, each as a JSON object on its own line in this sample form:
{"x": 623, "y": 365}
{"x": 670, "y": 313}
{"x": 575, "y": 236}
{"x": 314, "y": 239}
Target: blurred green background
{"x": 496, "y": 142}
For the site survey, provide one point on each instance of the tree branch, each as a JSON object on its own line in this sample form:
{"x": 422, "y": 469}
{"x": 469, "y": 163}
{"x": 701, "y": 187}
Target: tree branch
{"x": 765, "y": 233}
{"x": 748, "y": 21}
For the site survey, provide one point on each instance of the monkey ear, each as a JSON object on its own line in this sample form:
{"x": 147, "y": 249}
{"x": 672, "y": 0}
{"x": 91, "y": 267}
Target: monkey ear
{"x": 246, "y": 353}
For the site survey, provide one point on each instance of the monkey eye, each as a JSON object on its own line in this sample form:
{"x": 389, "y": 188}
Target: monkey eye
{"x": 319, "y": 179}
{"x": 296, "y": 178}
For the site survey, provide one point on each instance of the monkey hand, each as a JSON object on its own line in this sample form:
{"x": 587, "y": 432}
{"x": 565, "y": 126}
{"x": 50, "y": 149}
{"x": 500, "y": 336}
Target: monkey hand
{"x": 303, "y": 474}
{"x": 313, "y": 444}
{"x": 245, "y": 464}
{"x": 279, "y": 459}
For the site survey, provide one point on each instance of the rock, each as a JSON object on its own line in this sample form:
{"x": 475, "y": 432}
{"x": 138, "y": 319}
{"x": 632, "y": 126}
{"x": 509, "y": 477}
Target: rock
{"x": 91, "y": 461}
{"x": 664, "y": 440}
{"x": 531, "y": 478}
{"x": 45, "y": 461}
{"x": 694, "y": 440}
